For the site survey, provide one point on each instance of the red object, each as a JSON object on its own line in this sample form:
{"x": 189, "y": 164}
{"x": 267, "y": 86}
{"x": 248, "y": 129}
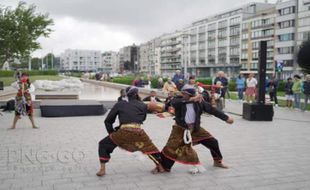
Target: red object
{"x": 24, "y": 79}
{"x": 209, "y": 87}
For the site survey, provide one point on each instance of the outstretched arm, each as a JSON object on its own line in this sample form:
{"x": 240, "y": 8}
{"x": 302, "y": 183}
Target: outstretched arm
{"x": 217, "y": 113}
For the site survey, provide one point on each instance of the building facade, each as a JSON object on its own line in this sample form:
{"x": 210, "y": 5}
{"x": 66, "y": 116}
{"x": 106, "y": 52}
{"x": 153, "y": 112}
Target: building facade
{"x": 285, "y": 41}
{"x": 147, "y": 56}
{"x": 259, "y": 27}
{"x": 214, "y": 43}
{"x": 80, "y": 60}
{"x": 109, "y": 62}
{"x": 171, "y": 51}
{"x": 129, "y": 59}
{"x": 303, "y": 21}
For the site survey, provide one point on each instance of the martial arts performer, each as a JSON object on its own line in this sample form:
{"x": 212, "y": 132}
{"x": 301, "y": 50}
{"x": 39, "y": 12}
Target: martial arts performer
{"x": 129, "y": 135}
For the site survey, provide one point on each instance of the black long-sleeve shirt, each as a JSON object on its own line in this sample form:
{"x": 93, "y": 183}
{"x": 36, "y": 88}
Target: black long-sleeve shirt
{"x": 133, "y": 111}
{"x": 179, "y": 105}
{"x": 148, "y": 99}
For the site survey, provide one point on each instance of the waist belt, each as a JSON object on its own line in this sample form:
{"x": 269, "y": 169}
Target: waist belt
{"x": 131, "y": 126}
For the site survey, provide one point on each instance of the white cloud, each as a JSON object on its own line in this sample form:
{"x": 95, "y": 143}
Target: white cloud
{"x": 71, "y": 33}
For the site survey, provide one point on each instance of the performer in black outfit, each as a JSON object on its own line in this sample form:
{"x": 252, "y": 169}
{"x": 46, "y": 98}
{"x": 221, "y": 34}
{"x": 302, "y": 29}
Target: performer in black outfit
{"x": 129, "y": 135}
{"x": 188, "y": 110}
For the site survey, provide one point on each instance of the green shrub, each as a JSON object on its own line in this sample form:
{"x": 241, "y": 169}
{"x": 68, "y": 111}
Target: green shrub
{"x": 281, "y": 86}
{"x": 31, "y": 73}
{"x": 123, "y": 80}
{"x": 205, "y": 80}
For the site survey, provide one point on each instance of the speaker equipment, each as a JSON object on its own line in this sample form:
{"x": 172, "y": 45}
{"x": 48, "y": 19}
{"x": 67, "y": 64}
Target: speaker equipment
{"x": 260, "y": 111}
{"x": 262, "y": 61}
{"x": 257, "y": 112}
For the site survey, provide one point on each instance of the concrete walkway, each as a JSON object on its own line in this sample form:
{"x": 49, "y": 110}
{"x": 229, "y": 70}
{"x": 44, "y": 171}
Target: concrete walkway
{"x": 62, "y": 154}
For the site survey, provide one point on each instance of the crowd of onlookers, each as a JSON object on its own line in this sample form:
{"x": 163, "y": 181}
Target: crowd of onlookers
{"x": 246, "y": 88}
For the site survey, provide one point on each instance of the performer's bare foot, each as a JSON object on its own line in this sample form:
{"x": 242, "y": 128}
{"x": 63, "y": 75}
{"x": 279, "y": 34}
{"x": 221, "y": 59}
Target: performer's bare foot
{"x": 158, "y": 169}
{"x": 35, "y": 127}
{"x": 219, "y": 164}
{"x": 11, "y": 128}
{"x": 101, "y": 171}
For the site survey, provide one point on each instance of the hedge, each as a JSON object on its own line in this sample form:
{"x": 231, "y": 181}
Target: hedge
{"x": 31, "y": 73}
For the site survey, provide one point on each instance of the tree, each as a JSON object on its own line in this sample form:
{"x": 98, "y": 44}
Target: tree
{"x": 19, "y": 30}
{"x": 303, "y": 57}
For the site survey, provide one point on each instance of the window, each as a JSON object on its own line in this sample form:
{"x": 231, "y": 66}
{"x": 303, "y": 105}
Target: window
{"x": 255, "y": 45}
{"x": 211, "y": 34}
{"x": 222, "y": 24}
{"x": 270, "y": 43}
{"x": 222, "y": 50}
{"x": 202, "y": 29}
{"x": 212, "y": 26}
{"x": 287, "y": 24}
{"x": 255, "y": 55}
{"x": 234, "y": 51}
{"x": 286, "y": 37}
{"x": 256, "y": 34}
{"x": 286, "y": 50}
{"x": 234, "y": 31}
{"x": 256, "y": 23}
{"x": 211, "y": 44}
{"x": 222, "y": 42}
{"x": 245, "y": 36}
{"x": 244, "y": 55}
{"x": 222, "y": 33}
{"x": 304, "y": 21}
{"x": 235, "y": 20}
{"x": 286, "y": 11}
{"x": 244, "y": 46}
{"x": 234, "y": 41}
{"x": 304, "y": 36}
{"x": 267, "y": 33}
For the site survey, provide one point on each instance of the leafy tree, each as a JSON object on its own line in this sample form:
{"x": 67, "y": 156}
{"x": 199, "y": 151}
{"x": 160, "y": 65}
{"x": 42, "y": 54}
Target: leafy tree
{"x": 303, "y": 57}
{"x": 19, "y": 30}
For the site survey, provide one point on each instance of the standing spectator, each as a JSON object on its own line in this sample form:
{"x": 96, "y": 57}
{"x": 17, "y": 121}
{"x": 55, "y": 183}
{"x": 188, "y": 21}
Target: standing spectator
{"x": 177, "y": 77}
{"x": 272, "y": 86}
{"x": 140, "y": 82}
{"x": 149, "y": 82}
{"x": 160, "y": 83}
{"x": 180, "y": 84}
{"x": 221, "y": 77}
{"x": 289, "y": 92}
{"x": 297, "y": 91}
{"x": 306, "y": 90}
{"x": 169, "y": 86}
{"x": 135, "y": 81}
{"x": 240, "y": 82}
{"x": 251, "y": 83}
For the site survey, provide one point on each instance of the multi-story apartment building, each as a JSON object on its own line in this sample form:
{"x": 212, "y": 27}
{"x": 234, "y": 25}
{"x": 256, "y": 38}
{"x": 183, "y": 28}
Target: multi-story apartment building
{"x": 129, "y": 59}
{"x": 259, "y": 27}
{"x": 157, "y": 66}
{"x": 303, "y": 21}
{"x": 148, "y": 55}
{"x": 80, "y": 60}
{"x": 214, "y": 43}
{"x": 171, "y": 53}
{"x": 286, "y": 33}
{"x": 109, "y": 62}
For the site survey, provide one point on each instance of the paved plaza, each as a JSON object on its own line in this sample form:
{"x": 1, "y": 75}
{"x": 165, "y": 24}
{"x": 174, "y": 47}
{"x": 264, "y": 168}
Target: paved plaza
{"x": 62, "y": 154}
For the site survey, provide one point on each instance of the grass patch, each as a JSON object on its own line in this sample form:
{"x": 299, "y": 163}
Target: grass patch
{"x": 9, "y": 80}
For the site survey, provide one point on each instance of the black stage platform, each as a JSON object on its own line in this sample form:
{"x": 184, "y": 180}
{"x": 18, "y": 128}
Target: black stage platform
{"x": 69, "y": 108}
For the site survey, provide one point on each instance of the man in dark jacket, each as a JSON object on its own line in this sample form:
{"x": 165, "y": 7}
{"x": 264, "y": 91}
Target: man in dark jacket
{"x": 187, "y": 130}
{"x": 129, "y": 135}
{"x": 152, "y": 97}
{"x": 272, "y": 86}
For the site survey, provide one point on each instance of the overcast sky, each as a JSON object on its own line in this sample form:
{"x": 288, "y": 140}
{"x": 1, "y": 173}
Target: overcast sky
{"x": 111, "y": 24}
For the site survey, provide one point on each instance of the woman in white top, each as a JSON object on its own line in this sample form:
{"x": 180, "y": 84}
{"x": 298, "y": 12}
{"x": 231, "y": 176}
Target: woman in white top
{"x": 23, "y": 103}
{"x": 250, "y": 91}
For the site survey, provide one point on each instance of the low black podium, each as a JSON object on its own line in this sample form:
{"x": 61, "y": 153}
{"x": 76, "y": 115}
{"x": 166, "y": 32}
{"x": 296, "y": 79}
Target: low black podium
{"x": 257, "y": 112}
